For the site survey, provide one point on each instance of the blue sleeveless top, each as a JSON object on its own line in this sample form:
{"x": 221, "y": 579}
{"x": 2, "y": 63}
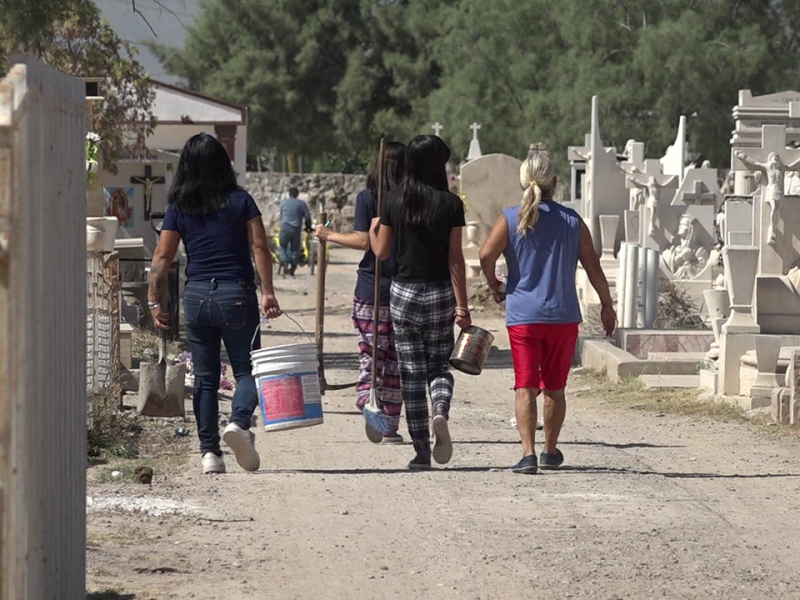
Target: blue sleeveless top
{"x": 541, "y": 267}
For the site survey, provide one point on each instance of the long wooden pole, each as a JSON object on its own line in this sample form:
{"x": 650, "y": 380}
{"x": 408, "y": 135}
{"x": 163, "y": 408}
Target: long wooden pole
{"x": 376, "y": 312}
{"x": 319, "y": 329}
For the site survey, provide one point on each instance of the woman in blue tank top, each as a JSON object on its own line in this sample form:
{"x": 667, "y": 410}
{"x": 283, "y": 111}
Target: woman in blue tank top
{"x": 543, "y": 242}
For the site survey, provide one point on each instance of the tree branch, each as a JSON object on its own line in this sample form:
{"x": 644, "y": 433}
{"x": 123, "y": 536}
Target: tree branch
{"x": 141, "y": 14}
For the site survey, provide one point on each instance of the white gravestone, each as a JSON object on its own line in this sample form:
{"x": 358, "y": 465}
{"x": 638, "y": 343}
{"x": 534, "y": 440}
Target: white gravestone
{"x": 490, "y": 184}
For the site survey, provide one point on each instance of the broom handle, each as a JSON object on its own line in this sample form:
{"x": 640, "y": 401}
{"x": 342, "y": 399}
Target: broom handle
{"x": 376, "y": 312}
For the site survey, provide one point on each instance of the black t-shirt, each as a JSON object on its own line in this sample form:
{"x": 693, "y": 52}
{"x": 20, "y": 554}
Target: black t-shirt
{"x": 366, "y": 210}
{"x": 423, "y": 252}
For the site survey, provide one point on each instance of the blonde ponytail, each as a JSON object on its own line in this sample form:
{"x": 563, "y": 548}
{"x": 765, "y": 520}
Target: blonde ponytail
{"x": 537, "y": 177}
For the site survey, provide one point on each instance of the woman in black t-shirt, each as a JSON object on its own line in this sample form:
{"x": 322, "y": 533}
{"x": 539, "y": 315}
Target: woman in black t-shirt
{"x": 388, "y": 376}
{"x": 428, "y": 292}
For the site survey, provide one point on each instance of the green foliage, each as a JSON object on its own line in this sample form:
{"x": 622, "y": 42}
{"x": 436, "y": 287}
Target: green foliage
{"x": 70, "y": 35}
{"x": 332, "y": 76}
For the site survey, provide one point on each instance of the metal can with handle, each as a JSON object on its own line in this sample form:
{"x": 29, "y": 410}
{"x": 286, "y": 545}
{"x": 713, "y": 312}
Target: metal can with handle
{"x": 471, "y": 350}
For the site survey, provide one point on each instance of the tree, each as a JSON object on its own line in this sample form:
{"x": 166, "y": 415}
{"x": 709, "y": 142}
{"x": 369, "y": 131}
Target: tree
{"x": 70, "y": 35}
{"x": 281, "y": 58}
{"x": 333, "y": 76}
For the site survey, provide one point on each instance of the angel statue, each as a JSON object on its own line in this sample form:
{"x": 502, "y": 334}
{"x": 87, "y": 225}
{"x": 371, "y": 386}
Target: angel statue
{"x": 774, "y": 170}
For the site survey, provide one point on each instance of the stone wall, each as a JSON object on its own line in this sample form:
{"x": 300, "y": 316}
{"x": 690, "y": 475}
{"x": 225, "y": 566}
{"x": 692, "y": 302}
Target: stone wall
{"x": 334, "y": 192}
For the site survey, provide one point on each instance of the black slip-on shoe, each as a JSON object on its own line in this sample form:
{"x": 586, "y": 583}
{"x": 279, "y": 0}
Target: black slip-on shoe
{"x": 527, "y": 466}
{"x": 421, "y": 462}
{"x": 551, "y": 461}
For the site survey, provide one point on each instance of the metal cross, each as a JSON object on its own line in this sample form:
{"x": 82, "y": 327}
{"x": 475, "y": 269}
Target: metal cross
{"x": 148, "y": 181}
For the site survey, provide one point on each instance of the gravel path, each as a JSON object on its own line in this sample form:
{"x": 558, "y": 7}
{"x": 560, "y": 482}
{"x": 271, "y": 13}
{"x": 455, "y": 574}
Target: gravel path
{"x": 645, "y": 505}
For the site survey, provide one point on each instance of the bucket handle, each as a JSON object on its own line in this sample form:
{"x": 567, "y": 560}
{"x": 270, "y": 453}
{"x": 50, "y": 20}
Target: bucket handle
{"x": 285, "y": 314}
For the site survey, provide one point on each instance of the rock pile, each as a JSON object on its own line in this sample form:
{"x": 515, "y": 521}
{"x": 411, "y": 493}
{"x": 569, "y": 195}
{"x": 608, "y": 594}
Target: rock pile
{"x": 335, "y": 193}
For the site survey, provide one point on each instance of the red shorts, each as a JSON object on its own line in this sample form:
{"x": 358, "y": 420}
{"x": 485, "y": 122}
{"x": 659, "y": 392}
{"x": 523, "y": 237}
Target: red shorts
{"x": 542, "y": 354}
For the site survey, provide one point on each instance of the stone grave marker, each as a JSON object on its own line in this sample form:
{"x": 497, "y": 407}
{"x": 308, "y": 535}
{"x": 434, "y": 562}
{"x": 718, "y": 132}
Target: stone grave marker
{"x": 490, "y": 184}
{"x": 699, "y": 186}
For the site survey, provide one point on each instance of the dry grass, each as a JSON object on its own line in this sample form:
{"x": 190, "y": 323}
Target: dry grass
{"x": 632, "y": 393}
{"x": 112, "y": 433}
{"x": 123, "y": 534}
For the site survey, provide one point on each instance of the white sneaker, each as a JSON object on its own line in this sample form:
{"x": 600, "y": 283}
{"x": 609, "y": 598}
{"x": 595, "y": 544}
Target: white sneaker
{"x": 212, "y": 463}
{"x": 241, "y": 442}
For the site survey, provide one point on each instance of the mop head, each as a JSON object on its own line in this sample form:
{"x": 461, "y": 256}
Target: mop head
{"x": 377, "y": 419}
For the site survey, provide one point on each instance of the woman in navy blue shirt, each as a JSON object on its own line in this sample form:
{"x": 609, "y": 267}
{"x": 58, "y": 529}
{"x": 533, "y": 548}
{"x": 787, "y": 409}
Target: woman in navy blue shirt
{"x": 220, "y": 226}
{"x": 388, "y": 377}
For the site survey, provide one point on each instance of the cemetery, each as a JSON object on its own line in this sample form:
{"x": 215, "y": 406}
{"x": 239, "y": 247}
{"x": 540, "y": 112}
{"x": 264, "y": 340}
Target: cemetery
{"x": 703, "y": 264}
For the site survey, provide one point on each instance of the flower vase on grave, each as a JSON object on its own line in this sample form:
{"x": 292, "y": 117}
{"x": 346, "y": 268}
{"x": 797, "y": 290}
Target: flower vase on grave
{"x": 95, "y": 239}
{"x": 608, "y": 235}
{"x": 741, "y": 263}
{"x": 718, "y": 306}
{"x": 473, "y": 232}
{"x": 768, "y": 349}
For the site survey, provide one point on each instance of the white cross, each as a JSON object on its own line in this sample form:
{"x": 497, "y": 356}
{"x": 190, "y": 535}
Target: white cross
{"x": 474, "y": 128}
{"x": 437, "y": 128}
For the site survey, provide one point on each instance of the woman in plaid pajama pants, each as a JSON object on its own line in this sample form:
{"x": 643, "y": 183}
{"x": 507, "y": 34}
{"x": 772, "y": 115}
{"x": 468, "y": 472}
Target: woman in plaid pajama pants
{"x": 428, "y": 291}
{"x": 388, "y": 376}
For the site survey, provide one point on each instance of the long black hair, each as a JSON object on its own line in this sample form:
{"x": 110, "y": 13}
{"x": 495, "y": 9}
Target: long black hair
{"x": 394, "y": 165}
{"x": 425, "y": 184}
{"x": 204, "y": 178}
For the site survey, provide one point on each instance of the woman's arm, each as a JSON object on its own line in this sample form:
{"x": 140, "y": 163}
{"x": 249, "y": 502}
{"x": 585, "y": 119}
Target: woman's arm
{"x": 458, "y": 276}
{"x": 163, "y": 256}
{"x": 259, "y": 245}
{"x": 591, "y": 264}
{"x": 491, "y": 250}
{"x": 358, "y": 240}
{"x": 380, "y": 237}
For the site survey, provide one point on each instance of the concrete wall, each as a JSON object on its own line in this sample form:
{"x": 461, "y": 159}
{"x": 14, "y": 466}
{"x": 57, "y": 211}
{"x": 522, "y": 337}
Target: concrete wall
{"x": 42, "y": 334}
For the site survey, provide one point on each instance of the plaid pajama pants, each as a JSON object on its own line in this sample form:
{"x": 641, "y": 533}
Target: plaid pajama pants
{"x": 423, "y": 315}
{"x": 388, "y": 374}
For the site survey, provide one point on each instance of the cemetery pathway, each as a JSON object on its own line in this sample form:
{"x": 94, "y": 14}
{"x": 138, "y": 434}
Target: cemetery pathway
{"x": 646, "y": 505}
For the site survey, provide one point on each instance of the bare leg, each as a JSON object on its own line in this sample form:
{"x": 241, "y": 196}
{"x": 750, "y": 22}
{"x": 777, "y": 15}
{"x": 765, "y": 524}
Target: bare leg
{"x": 526, "y": 418}
{"x": 555, "y": 409}
{"x": 773, "y": 221}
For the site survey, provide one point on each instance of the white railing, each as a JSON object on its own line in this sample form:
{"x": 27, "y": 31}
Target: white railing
{"x": 42, "y": 334}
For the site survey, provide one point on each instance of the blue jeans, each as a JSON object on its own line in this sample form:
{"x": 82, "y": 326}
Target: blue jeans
{"x": 290, "y": 239}
{"x": 221, "y": 311}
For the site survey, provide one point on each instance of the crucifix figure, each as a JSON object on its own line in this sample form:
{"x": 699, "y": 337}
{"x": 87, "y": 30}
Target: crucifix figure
{"x": 148, "y": 181}
{"x": 437, "y": 129}
{"x": 774, "y": 169}
{"x": 652, "y": 187}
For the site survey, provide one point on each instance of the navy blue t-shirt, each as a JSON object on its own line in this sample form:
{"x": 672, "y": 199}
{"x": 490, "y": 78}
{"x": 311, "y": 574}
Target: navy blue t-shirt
{"x": 216, "y": 243}
{"x": 366, "y": 210}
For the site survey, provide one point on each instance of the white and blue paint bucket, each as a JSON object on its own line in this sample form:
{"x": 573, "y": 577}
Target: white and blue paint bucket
{"x": 287, "y": 380}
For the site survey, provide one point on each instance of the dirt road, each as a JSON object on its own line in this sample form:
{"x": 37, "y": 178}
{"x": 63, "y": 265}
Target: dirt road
{"x": 645, "y": 506}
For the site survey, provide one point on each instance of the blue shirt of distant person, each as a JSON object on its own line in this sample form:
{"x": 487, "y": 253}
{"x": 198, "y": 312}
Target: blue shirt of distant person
{"x": 293, "y": 212}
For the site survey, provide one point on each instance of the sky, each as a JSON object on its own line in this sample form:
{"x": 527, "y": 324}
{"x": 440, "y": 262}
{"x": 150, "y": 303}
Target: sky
{"x": 170, "y": 27}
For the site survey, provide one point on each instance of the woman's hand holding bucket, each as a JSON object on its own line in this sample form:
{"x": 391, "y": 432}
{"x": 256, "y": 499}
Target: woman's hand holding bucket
{"x": 463, "y": 318}
{"x": 269, "y": 306}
